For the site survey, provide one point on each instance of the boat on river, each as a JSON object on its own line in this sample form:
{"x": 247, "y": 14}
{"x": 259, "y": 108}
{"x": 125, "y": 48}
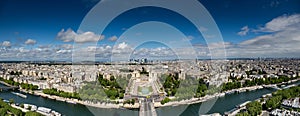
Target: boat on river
{"x": 19, "y": 94}
{"x": 71, "y": 102}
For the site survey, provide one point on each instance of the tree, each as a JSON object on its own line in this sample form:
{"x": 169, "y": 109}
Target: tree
{"x": 254, "y": 108}
{"x": 167, "y": 84}
{"x": 3, "y": 111}
{"x": 11, "y": 101}
{"x": 173, "y": 91}
{"x": 171, "y": 85}
{"x": 31, "y": 113}
{"x": 243, "y": 114}
{"x": 273, "y": 102}
{"x": 112, "y": 89}
{"x": 166, "y": 100}
{"x": 29, "y": 108}
{"x": 112, "y": 78}
{"x": 16, "y": 112}
{"x": 121, "y": 95}
{"x": 201, "y": 90}
{"x": 22, "y": 105}
{"x": 132, "y": 101}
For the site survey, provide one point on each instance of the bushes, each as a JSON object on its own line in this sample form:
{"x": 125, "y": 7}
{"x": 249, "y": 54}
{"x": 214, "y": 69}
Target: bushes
{"x": 171, "y": 85}
{"x": 11, "y": 101}
{"x": 201, "y": 90}
{"x": 231, "y": 85}
{"x": 278, "y": 96}
{"x": 22, "y": 105}
{"x": 3, "y": 111}
{"x": 29, "y": 86}
{"x": 61, "y": 93}
{"x": 15, "y": 111}
{"x": 30, "y": 113}
{"x": 112, "y": 88}
{"x": 6, "y": 109}
{"x": 253, "y": 109}
{"x": 92, "y": 92}
{"x": 130, "y": 101}
{"x": 166, "y": 100}
{"x": 273, "y": 102}
{"x": 260, "y": 81}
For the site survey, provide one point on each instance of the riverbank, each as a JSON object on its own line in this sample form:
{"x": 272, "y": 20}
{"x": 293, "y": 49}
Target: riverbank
{"x": 216, "y": 95}
{"x": 207, "y": 97}
{"x": 156, "y": 104}
{"x": 68, "y": 100}
{"x": 71, "y": 101}
{"x": 265, "y": 99}
{"x": 221, "y": 105}
{"x": 2, "y": 82}
{"x": 41, "y": 110}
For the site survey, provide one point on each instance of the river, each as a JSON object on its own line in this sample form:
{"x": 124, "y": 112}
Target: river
{"x": 220, "y": 105}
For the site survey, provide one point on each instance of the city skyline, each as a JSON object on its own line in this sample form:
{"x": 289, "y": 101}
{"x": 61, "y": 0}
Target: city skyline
{"x": 35, "y": 30}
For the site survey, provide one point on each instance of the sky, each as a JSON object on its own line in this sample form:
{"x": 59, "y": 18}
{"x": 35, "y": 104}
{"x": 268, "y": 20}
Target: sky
{"x": 47, "y": 30}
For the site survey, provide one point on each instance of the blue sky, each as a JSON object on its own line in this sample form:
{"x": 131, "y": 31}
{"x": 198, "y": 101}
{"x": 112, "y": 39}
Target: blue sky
{"x": 34, "y": 29}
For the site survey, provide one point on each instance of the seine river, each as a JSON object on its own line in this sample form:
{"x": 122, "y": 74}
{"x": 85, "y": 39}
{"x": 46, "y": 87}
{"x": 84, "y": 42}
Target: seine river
{"x": 219, "y": 105}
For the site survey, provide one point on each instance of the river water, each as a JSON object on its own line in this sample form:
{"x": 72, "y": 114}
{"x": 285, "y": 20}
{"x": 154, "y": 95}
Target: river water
{"x": 219, "y": 105}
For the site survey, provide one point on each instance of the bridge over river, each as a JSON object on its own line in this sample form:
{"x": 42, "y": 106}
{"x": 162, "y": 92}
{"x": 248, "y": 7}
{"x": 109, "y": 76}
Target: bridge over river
{"x": 147, "y": 108}
{"x": 7, "y": 87}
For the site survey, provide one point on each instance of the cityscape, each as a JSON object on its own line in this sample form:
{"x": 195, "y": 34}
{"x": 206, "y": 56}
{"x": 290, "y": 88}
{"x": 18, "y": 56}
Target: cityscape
{"x": 150, "y": 58}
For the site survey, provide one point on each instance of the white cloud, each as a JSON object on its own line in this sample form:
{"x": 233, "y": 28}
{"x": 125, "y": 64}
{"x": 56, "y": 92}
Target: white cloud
{"x": 113, "y": 38}
{"x": 283, "y": 39}
{"x": 122, "y": 45}
{"x": 244, "y": 31}
{"x": 88, "y": 37}
{"x": 282, "y": 23}
{"x": 158, "y": 52}
{"x": 6, "y": 43}
{"x": 63, "y": 51}
{"x": 280, "y": 41}
{"x": 30, "y": 42}
{"x": 66, "y": 46}
{"x": 66, "y": 36}
{"x": 84, "y": 37}
{"x": 31, "y": 54}
{"x": 45, "y": 46}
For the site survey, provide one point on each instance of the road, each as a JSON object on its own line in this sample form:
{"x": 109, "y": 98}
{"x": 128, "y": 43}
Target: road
{"x": 147, "y": 108}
